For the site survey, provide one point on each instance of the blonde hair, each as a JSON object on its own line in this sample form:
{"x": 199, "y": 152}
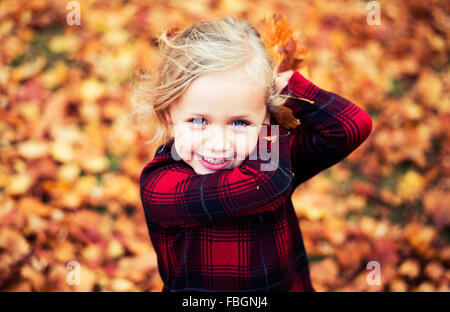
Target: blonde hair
{"x": 208, "y": 46}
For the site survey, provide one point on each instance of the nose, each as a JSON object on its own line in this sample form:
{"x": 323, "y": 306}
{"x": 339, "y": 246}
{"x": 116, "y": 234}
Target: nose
{"x": 218, "y": 141}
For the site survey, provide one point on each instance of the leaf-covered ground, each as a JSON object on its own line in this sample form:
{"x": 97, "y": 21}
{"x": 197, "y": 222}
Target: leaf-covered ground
{"x": 70, "y": 162}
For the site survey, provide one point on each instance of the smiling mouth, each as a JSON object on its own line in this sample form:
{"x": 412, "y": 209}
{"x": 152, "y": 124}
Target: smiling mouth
{"x": 214, "y": 161}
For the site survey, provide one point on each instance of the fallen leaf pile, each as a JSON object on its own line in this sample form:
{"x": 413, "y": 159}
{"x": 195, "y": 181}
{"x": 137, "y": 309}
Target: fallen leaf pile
{"x": 70, "y": 161}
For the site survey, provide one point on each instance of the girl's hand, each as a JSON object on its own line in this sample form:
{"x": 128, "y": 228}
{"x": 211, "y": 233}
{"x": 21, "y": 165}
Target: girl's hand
{"x": 282, "y": 80}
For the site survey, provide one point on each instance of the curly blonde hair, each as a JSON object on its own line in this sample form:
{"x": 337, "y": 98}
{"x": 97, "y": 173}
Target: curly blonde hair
{"x": 208, "y": 46}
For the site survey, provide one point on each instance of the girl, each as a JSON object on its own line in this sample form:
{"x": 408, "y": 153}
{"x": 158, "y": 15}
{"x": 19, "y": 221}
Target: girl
{"x": 219, "y": 218}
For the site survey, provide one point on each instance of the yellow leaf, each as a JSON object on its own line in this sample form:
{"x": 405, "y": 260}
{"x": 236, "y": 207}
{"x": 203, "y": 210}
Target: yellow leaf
{"x": 409, "y": 268}
{"x": 56, "y": 76}
{"x": 91, "y": 89}
{"x": 33, "y": 149}
{"x": 61, "y": 151}
{"x": 419, "y": 236}
{"x": 18, "y": 184}
{"x": 410, "y": 185}
{"x": 64, "y": 43}
{"x": 115, "y": 249}
{"x": 94, "y": 163}
{"x": 28, "y": 70}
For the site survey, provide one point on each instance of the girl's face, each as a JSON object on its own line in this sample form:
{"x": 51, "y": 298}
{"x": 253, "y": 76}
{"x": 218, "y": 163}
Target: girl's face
{"x": 219, "y": 116}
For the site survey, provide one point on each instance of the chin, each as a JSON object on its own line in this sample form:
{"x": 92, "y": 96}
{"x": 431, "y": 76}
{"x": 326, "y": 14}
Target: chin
{"x": 199, "y": 169}
{"x": 202, "y": 170}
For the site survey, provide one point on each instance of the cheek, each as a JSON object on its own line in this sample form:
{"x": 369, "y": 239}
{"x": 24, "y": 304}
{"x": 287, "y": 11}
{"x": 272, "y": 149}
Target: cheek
{"x": 185, "y": 141}
{"x": 245, "y": 143}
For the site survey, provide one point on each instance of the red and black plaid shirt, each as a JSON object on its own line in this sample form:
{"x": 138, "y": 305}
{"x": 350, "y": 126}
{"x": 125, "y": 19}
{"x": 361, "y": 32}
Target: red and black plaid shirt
{"x": 236, "y": 229}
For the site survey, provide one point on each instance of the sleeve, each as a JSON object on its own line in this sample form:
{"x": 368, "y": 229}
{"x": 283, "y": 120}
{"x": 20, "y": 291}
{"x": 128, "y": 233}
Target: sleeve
{"x": 173, "y": 196}
{"x": 331, "y": 127}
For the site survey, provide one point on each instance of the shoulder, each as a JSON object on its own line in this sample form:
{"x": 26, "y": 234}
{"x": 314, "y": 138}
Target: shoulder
{"x": 165, "y": 163}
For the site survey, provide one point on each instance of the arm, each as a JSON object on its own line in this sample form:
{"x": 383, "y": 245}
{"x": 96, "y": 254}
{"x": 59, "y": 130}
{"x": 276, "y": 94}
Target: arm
{"x": 174, "y": 196}
{"x": 331, "y": 127}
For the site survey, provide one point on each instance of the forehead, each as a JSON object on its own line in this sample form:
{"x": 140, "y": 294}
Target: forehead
{"x": 223, "y": 94}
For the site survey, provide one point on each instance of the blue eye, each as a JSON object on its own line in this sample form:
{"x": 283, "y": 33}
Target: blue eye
{"x": 197, "y": 120}
{"x": 244, "y": 123}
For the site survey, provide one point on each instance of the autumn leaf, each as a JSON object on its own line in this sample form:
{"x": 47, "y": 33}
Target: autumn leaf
{"x": 70, "y": 164}
{"x": 281, "y": 45}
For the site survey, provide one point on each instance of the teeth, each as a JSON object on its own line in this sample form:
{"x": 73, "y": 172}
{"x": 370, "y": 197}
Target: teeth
{"x": 213, "y": 161}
